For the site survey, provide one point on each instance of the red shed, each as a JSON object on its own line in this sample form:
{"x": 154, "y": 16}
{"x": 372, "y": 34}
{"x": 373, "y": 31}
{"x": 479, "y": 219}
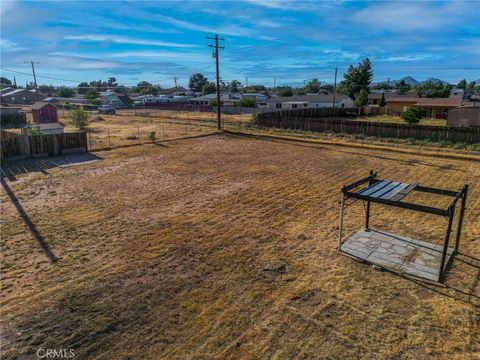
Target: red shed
{"x": 44, "y": 112}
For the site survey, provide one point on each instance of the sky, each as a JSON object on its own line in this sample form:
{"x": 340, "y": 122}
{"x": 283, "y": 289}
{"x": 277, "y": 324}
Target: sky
{"x": 266, "y": 41}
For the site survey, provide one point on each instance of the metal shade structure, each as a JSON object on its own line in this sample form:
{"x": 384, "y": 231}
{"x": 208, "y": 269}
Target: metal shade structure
{"x": 397, "y": 253}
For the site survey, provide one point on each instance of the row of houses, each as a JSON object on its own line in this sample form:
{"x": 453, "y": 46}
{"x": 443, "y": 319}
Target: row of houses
{"x": 397, "y": 103}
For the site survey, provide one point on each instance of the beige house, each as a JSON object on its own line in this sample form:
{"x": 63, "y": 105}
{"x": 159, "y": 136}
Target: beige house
{"x": 435, "y": 106}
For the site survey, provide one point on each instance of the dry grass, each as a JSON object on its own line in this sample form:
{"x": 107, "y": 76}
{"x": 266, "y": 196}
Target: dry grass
{"x": 224, "y": 247}
{"x": 398, "y": 120}
{"x": 118, "y": 130}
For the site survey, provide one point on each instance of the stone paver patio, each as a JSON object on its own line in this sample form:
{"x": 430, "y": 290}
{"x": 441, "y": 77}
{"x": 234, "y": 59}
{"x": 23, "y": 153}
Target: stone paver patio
{"x": 395, "y": 252}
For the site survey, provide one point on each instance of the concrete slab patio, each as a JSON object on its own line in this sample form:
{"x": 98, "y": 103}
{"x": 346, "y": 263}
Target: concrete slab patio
{"x": 397, "y": 253}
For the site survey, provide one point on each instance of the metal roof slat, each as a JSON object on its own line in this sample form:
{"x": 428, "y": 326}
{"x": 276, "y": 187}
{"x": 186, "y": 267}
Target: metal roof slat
{"x": 394, "y": 191}
{"x": 367, "y": 191}
{"x": 384, "y": 190}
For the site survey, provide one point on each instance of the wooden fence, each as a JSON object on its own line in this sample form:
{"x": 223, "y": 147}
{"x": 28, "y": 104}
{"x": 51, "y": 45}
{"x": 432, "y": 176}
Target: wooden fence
{"x": 44, "y": 145}
{"x": 292, "y": 119}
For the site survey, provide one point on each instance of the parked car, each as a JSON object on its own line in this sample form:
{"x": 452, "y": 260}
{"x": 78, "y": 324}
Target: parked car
{"x": 440, "y": 116}
{"x": 106, "y": 109}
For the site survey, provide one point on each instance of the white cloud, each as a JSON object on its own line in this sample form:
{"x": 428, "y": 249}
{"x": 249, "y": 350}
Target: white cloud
{"x": 413, "y": 16}
{"x": 10, "y": 46}
{"x": 160, "y": 55}
{"x": 232, "y": 30}
{"x": 127, "y": 40}
{"x": 410, "y": 58}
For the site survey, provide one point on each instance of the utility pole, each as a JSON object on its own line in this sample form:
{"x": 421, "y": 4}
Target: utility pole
{"x": 274, "y": 84}
{"x": 334, "y": 88}
{"x": 34, "y": 76}
{"x": 388, "y": 84}
{"x": 216, "y": 38}
{"x": 176, "y": 88}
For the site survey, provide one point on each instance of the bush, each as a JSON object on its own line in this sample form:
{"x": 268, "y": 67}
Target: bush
{"x": 246, "y": 102}
{"x": 79, "y": 118}
{"x": 413, "y": 115}
{"x": 13, "y": 120}
{"x": 35, "y": 132}
{"x": 214, "y": 103}
{"x": 151, "y": 137}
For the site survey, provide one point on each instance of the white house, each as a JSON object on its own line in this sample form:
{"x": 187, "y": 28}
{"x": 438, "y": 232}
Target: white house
{"x": 309, "y": 102}
{"x": 47, "y": 128}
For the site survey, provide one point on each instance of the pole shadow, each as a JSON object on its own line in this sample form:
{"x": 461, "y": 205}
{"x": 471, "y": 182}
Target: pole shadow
{"x": 31, "y": 226}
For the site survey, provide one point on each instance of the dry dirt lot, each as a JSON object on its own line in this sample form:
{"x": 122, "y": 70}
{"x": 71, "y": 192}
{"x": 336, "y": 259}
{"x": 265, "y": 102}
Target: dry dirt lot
{"x": 224, "y": 247}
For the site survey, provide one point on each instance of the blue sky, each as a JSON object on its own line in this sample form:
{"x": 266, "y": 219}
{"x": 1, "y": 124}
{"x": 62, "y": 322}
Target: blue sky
{"x": 290, "y": 41}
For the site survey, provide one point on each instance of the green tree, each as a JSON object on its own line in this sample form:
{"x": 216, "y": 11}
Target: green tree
{"x": 433, "y": 89}
{"x": 82, "y": 88}
{"x": 403, "y": 87}
{"x": 361, "y": 98}
{"x": 356, "y": 79}
{"x": 46, "y": 89}
{"x": 79, "y": 118}
{"x": 285, "y": 91}
{"x": 148, "y": 90}
{"x": 326, "y": 89}
{"x": 112, "y": 82}
{"x": 246, "y": 102}
{"x": 5, "y": 81}
{"x": 209, "y": 88}
{"x": 99, "y": 85}
{"x": 65, "y": 92}
{"x": 413, "y": 115}
{"x": 197, "y": 81}
{"x": 470, "y": 89}
{"x": 382, "y": 86}
{"x": 234, "y": 86}
{"x": 382, "y": 100}
{"x": 313, "y": 86}
{"x": 462, "y": 84}
{"x": 92, "y": 95}
{"x": 255, "y": 88}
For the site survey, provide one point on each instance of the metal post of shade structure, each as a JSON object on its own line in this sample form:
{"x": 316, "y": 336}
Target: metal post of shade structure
{"x": 340, "y": 228}
{"x": 367, "y": 215}
{"x": 460, "y": 219}
{"x": 451, "y": 211}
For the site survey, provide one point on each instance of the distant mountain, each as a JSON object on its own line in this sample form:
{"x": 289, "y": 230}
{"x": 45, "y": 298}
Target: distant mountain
{"x": 410, "y": 81}
{"x": 436, "y": 81}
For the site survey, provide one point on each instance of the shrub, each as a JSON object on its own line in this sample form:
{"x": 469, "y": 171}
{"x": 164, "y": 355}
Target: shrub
{"x": 79, "y": 118}
{"x": 413, "y": 115}
{"x": 214, "y": 103}
{"x": 35, "y": 132}
{"x": 151, "y": 137}
{"x": 246, "y": 102}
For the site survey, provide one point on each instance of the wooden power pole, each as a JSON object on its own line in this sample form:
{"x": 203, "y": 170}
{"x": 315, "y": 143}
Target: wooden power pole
{"x": 334, "y": 88}
{"x": 215, "y": 54}
{"x": 34, "y": 77}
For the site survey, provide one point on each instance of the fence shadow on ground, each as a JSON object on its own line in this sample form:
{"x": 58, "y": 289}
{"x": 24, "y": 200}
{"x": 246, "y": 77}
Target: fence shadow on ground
{"x": 11, "y": 169}
{"x": 31, "y": 226}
